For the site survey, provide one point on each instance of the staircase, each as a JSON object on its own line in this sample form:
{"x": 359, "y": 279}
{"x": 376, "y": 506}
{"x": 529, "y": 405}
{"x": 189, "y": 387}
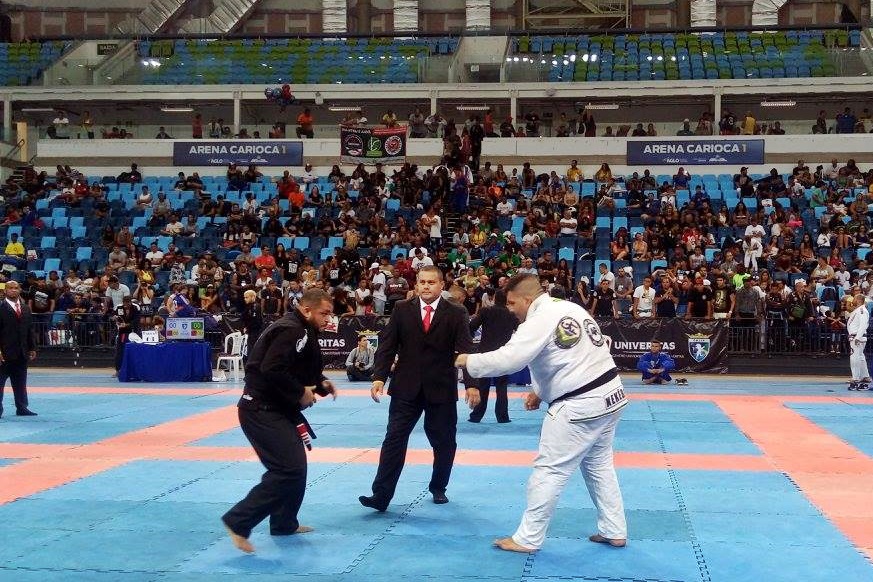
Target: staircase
{"x": 226, "y": 17}
{"x": 153, "y": 17}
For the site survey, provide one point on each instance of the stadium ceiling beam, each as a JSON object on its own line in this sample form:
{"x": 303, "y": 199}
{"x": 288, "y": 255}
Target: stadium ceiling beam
{"x": 355, "y": 94}
{"x": 566, "y": 14}
{"x": 153, "y": 17}
{"x": 226, "y": 17}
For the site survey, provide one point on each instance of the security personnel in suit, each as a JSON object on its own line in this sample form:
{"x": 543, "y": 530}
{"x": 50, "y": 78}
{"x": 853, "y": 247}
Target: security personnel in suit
{"x": 573, "y": 371}
{"x": 17, "y": 347}
{"x": 498, "y": 324}
{"x": 283, "y": 375}
{"x": 424, "y": 334}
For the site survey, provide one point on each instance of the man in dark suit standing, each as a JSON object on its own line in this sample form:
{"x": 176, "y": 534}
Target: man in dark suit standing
{"x": 424, "y": 333}
{"x": 498, "y": 324}
{"x": 17, "y": 347}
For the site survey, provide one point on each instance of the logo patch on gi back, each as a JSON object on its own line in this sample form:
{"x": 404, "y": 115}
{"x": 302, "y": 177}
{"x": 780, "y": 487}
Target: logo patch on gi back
{"x": 568, "y": 333}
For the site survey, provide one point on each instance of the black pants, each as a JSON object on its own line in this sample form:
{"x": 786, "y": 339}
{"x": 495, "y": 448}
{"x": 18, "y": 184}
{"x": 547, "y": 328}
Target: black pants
{"x": 16, "y": 371}
{"x": 501, "y": 407}
{"x": 356, "y": 374}
{"x": 280, "y": 492}
{"x": 440, "y": 426}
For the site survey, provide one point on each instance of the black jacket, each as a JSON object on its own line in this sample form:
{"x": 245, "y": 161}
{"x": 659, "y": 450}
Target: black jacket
{"x": 497, "y": 323}
{"x": 285, "y": 358}
{"x": 16, "y": 335}
{"x": 425, "y": 361}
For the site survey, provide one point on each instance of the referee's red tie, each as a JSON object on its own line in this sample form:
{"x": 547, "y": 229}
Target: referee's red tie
{"x": 18, "y": 310}
{"x": 426, "y": 322}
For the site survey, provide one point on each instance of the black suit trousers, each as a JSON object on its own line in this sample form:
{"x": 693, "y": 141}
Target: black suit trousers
{"x": 440, "y": 426}
{"x": 280, "y": 492}
{"x": 16, "y": 371}
{"x": 501, "y": 406}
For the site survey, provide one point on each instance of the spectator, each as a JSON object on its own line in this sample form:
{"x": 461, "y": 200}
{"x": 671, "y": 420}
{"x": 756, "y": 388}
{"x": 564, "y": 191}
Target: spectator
{"x": 359, "y": 364}
{"x": 686, "y": 128}
{"x": 699, "y": 299}
{"x": 61, "y": 126}
{"x": 304, "y": 124}
{"x": 846, "y": 121}
{"x": 602, "y": 300}
{"x": 162, "y": 133}
{"x": 644, "y": 299}
{"x": 656, "y": 365}
{"x": 417, "y": 127}
{"x": 197, "y": 126}
{"x": 532, "y": 124}
{"x": 723, "y": 299}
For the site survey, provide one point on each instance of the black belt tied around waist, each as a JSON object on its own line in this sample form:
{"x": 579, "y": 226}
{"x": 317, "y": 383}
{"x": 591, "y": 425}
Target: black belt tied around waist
{"x": 592, "y": 385}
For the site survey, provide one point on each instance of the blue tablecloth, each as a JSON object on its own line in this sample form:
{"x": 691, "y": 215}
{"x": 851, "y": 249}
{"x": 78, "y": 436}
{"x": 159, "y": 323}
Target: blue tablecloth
{"x": 180, "y": 361}
{"x": 520, "y": 378}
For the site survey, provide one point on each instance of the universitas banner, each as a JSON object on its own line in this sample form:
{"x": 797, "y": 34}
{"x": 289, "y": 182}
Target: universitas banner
{"x": 695, "y": 151}
{"x": 369, "y": 145}
{"x": 696, "y": 346}
{"x": 240, "y": 152}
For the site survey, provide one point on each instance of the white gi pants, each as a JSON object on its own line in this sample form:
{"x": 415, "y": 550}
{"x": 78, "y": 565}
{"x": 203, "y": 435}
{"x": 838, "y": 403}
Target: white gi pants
{"x": 857, "y": 360}
{"x": 750, "y": 259}
{"x": 564, "y": 447}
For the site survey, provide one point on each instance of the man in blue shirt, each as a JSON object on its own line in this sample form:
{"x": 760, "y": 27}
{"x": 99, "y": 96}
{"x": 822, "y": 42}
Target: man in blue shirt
{"x": 656, "y": 365}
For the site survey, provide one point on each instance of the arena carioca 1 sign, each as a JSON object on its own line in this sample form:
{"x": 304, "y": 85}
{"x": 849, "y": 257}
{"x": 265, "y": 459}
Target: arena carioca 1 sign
{"x": 240, "y": 152}
{"x": 695, "y": 152}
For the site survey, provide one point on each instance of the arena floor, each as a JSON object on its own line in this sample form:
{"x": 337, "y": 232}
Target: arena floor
{"x": 730, "y": 479}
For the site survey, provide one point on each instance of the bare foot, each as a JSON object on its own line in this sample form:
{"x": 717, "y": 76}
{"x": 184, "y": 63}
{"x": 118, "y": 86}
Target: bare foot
{"x": 509, "y": 545}
{"x": 240, "y": 542}
{"x": 615, "y": 543}
{"x": 304, "y": 529}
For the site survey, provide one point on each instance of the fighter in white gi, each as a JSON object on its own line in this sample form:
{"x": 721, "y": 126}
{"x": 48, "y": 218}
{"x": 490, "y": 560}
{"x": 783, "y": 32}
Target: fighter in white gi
{"x": 856, "y": 326}
{"x": 573, "y": 371}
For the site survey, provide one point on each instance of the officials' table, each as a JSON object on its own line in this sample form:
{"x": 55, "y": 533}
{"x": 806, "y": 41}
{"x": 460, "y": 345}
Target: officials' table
{"x": 175, "y": 361}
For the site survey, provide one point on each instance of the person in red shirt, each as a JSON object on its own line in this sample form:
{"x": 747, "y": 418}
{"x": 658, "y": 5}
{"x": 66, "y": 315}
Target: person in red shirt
{"x": 266, "y": 260}
{"x": 304, "y": 124}
{"x": 488, "y": 124}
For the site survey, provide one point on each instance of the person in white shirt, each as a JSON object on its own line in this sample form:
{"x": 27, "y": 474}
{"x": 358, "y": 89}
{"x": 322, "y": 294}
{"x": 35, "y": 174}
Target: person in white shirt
{"x": 421, "y": 260}
{"x": 605, "y": 273}
{"x": 573, "y": 372}
{"x": 856, "y": 327}
{"x": 155, "y": 255}
{"x": 753, "y": 245}
{"x": 568, "y": 223}
{"x": 379, "y": 281}
{"x": 414, "y": 250}
{"x": 644, "y": 300}
{"x": 308, "y": 175}
{"x": 61, "y": 124}
{"x": 504, "y": 207}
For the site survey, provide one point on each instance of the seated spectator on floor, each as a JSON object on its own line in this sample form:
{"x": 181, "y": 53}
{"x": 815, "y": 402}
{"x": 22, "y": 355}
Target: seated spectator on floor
{"x": 359, "y": 364}
{"x": 656, "y": 365}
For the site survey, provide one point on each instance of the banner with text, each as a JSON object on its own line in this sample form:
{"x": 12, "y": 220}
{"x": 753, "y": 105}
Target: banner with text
{"x": 369, "y": 145}
{"x": 341, "y": 337}
{"x": 696, "y": 346}
{"x": 695, "y": 152}
{"x": 239, "y": 152}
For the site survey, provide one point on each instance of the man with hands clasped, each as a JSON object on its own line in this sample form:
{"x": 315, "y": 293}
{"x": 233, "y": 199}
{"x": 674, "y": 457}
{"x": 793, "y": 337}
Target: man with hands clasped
{"x": 423, "y": 334}
{"x": 573, "y": 372}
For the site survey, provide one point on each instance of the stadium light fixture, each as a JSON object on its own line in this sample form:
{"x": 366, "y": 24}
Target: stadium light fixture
{"x": 473, "y": 107}
{"x": 38, "y": 109}
{"x": 344, "y": 108}
{"x": 176, "y": 109}
{"x": 783, "y": 103}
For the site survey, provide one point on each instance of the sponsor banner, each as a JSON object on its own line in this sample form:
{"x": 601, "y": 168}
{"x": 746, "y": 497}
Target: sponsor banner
{"x": 341, "y": 337}
{"x": 240, "y": 152}
{"x": 370, "y": 145}
{"x": 696, "y": 346}
{"x": 695, "y": 152}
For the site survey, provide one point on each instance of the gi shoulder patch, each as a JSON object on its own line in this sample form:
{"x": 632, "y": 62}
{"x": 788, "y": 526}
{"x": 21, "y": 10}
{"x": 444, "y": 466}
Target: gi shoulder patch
{"x": 568, "y": 333}
{"x": 593, "y": 331}
{"x": 301, "y": 343}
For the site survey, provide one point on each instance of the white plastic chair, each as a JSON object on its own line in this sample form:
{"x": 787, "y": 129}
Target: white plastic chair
{"x": 233, "y": 350}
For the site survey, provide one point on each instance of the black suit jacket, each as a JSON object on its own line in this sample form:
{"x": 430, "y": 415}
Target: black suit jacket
{"x": 16, "y": 335}
{"x": 425, "y": 361}
{"x": 498, "y": 324}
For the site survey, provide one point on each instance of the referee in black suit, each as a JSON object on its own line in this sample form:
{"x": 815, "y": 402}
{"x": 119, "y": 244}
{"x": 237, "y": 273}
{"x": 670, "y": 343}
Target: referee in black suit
{"x": 424, "y": 334}
{"x": 498, "y": 324}
{"x": 17, "y": 346}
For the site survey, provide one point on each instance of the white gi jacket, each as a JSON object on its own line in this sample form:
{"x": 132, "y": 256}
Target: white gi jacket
{"x": 564, "y": 349}
{"x": 857, "y": 323}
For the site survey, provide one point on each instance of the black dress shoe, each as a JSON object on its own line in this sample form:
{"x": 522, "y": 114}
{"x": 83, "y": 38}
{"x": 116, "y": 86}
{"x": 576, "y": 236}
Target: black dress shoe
{"x": 440, "y": 498}
{"x": 24, "y": 412}
{"x": 372, "y": 503}
{"x": 503, "y": 420}
{"x": 476, "y": 420}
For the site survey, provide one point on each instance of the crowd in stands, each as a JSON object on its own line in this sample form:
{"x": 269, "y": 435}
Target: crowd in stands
{"x": 479, "y": 125}
{"x": 786, "y": 249}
